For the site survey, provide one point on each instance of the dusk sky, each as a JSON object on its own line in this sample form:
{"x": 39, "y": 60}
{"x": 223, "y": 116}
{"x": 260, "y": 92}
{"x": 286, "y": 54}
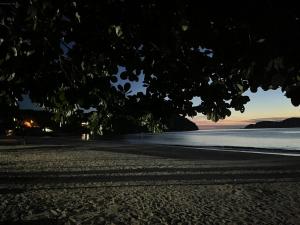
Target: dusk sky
{"x": 264, "y": 105}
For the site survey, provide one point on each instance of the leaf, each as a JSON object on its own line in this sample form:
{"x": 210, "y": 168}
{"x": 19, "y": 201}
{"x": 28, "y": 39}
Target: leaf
{"x": 214, "y": 117}
{"x": 138, "y": 71}
{"x": 246, "y": 99}
{"x": 77, "y": 17}
{"x": 140, "y": 94}
{"x": 120, "y": 87}
{"x": 184, "y": 27}
{"x": 208, "y": 116}
{"x": 11, "y": 77}
{"x": 124, "y": 75}
{"x": 7, "y": 57}
{"x": 253, "y": 89}
{"x": 242, "y": 109}
{"x": 114, "y": 79}
{"x": 261, "y": 40}
{"x": 295, "y": 101}
{"x": 32, "y": 12}
{"x": 82, "y": 65}
{"x": 29, "y": 53}
{"x": 118, "y": 30}
{"x": 240, "y": 87}
{"x": 62, "y": 96}
{"x": 127, "y": 87}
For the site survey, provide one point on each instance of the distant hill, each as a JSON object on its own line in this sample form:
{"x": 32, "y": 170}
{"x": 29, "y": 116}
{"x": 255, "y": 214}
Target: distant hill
{"x": 287, "y": 123}
{"x": 180, "y": 123}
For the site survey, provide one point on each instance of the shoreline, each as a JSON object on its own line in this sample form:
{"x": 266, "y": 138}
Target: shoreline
{"x": 48, "y": 142}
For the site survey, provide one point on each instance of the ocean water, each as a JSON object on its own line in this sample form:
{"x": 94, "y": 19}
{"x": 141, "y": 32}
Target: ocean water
{"x": 270, "y": 138}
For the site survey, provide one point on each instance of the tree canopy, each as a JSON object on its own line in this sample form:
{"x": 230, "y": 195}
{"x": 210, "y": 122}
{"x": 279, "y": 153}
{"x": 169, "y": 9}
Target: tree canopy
{"x": 66, "y": 54}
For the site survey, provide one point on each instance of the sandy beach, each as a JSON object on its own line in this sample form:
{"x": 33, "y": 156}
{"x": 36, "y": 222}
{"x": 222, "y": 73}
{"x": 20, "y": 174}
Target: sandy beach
{"x": 117, "y": 183}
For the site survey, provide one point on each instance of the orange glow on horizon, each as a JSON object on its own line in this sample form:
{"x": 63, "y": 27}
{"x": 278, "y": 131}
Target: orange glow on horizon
{"x": 208, "y": 124}
{"x": 30, "y": 123}
{"x": 27, "y": 124}
{"x": 234, "y": 122}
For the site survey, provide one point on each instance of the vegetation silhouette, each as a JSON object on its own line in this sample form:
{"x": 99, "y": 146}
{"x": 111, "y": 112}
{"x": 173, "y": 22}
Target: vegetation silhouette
{"x": 66, "y": 54}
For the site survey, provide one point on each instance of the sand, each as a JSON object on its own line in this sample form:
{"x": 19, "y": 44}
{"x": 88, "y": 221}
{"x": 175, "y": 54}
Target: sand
{"x": 107, "y": 183}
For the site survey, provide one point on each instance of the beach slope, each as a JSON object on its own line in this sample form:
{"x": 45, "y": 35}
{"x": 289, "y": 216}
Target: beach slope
{"x": 110, "y": 183}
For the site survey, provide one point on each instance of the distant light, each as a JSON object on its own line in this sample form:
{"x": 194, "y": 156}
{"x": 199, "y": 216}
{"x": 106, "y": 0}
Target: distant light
{"x": 9, "y": 132}
{"x": 27, "y": 124}
{"x": 84, "y": 124}
{"x": 85, "y": 137}
{"x": 48, "y": 130}
{"x": 261, "y": 40}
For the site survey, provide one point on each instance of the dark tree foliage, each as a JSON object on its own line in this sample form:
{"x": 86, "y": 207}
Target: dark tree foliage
{"x": 65, "y": 54}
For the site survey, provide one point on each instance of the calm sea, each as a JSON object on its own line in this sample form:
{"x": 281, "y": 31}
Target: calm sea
{"x": 280, "y": 138}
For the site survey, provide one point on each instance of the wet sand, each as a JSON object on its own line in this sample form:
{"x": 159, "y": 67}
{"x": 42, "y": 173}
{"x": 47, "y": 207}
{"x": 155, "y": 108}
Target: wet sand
{"x": 118, "y": 183}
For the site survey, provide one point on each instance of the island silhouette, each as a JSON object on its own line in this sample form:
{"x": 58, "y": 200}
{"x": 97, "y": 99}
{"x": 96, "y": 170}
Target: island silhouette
{"x": 287, "y": 123}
